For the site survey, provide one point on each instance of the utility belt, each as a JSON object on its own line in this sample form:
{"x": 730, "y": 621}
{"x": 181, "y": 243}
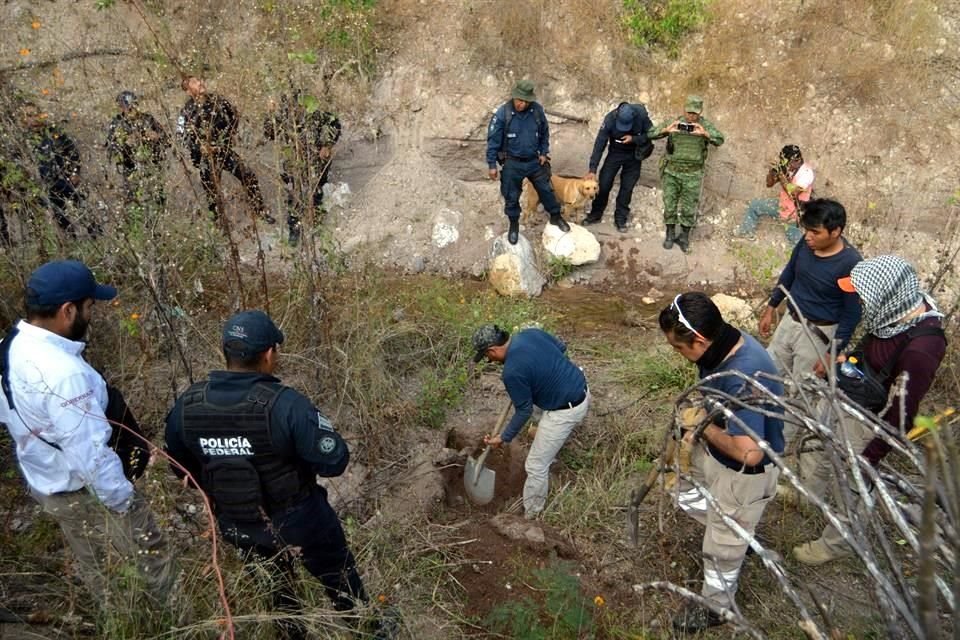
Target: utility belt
{"x": 573, "y": 405}
{"x": 522, "y": 158}
{"x": 813, "y": 325}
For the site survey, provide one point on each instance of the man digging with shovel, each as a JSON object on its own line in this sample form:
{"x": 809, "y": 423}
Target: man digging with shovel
{"x": 536, "y": 371}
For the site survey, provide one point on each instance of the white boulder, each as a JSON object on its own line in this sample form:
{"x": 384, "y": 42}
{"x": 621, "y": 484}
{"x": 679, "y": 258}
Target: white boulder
{"x": 578, "y": 245}
{"x": 513, "y": 271}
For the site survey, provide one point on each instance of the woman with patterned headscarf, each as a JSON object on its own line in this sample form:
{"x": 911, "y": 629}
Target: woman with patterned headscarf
{"x": 904, "y": 335}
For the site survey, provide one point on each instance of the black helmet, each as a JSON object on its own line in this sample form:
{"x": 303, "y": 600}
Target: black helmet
{"x": 127, "y": 99}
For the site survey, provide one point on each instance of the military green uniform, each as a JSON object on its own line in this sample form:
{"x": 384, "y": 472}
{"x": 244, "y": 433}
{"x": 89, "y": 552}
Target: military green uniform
{"x": 681, "y": 169}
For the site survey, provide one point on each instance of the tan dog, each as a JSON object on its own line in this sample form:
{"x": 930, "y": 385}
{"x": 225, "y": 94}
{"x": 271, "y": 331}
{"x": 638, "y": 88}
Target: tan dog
{"x": 573, "y": 194}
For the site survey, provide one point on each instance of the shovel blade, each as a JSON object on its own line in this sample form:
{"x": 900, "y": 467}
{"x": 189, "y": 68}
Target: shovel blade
{"x": 479, "y": 482}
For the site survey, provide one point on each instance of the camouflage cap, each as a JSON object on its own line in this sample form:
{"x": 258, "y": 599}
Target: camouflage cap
{"x": 489, "y": 335}
{"x": 694, "y": 104}
{"x": 523, "y": 90}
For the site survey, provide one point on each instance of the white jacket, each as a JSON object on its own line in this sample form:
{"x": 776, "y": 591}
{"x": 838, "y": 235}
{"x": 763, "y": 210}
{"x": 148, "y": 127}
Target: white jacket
{"x": 57, "y": 421}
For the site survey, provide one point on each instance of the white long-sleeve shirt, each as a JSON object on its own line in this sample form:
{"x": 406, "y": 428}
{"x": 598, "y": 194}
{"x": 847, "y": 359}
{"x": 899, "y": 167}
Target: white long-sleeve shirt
{"x": 60, "y": 400}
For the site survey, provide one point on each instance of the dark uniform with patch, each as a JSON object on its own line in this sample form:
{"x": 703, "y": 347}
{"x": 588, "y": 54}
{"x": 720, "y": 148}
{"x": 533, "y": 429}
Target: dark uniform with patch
{"x": 256, "y": 447}
{"x": 302, "y": 134}
{"x": 213, "y": 121}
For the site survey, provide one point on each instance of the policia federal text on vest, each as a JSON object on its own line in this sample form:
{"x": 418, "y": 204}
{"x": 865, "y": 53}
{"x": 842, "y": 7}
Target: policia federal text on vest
{"x": 247, "y": 480}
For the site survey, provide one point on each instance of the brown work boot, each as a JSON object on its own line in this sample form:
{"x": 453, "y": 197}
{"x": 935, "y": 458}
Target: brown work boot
{"x": 816, "y": 553}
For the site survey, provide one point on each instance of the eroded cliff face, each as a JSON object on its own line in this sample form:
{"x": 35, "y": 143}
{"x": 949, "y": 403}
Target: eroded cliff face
{"x": 870, "y": 96}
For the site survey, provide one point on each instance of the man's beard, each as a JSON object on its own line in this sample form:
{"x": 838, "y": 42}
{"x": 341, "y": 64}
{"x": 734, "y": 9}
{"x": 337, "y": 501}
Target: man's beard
{"x": 78, "y": 329}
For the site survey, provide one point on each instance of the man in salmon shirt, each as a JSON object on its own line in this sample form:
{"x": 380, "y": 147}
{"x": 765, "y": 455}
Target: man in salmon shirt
{"x": 794, "y": 179}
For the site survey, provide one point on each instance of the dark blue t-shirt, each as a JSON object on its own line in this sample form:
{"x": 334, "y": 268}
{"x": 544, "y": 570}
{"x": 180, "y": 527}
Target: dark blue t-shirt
{"x": 536, "y": 371}
{"x": 812, "y": 283}
{"x": 749, "y": 359}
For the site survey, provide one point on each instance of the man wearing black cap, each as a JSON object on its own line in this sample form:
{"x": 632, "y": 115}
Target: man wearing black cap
{"x": 794, "y": 180}
{"x": 536, "y": 371}
{"x": 137, "y": 145}
{"x": 519, "y": 139}
{"x": 55, "y": 406}
{"x": 256, "y": 448}
{"x": 625, "y": 130}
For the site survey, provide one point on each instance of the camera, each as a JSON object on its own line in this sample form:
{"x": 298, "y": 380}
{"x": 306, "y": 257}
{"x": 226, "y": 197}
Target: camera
{"x": 685, "y": 126}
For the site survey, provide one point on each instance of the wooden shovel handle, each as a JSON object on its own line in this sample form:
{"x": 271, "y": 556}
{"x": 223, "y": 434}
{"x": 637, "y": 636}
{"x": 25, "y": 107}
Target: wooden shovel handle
{"x": 502, "y": 420}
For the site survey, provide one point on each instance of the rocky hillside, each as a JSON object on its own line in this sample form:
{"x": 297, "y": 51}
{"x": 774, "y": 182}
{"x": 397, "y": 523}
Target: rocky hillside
{"x": 869, "y": 89}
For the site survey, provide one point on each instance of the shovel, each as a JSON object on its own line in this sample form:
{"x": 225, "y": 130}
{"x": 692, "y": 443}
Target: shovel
{"x": 478, "y": 480}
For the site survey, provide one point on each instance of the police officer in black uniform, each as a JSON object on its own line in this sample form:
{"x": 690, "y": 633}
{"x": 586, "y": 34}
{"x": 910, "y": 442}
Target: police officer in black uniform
{"x": 137, "y": 145}
{"x": 625, "y": 131}
{"x": 58, "y": 163}
{"x": 307, "y": 138}
{"x": 519, "y": 138}
{"x": 207, "y": 126}
{"x": 256, "y": 447}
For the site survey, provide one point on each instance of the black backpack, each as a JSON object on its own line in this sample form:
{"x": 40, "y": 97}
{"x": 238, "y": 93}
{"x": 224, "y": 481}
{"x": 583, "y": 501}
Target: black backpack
{"x": 870, "y": 391}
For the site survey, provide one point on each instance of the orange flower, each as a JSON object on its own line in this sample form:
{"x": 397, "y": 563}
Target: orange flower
{"x": 24, "y": 51}
{"x": 35, "y": 24}
{"x": 381, "y": 598}
{"x": 134, "y": 316}
{"x": 44, "y": 91}
{"x": 599, "y": 601}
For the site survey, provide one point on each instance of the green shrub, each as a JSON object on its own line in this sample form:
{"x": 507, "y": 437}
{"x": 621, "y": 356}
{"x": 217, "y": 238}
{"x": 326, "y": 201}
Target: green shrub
{"x": 663, "y": 22}
{"x": 559, "y": 612}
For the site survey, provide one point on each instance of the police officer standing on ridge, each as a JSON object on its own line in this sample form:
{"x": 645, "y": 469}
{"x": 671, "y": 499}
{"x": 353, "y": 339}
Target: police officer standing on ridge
{"x": 519, "y": 138}
{"x": 256, "y": 447}
{"x": 207, "y": 126}
{"x": 625, "y": 130}
{"x": 137, "y": 144}
{"x": 681, "y": 169}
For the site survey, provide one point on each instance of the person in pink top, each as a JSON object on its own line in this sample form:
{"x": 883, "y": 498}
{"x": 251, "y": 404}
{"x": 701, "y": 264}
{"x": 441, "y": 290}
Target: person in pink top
{"x": 794, "y": 181}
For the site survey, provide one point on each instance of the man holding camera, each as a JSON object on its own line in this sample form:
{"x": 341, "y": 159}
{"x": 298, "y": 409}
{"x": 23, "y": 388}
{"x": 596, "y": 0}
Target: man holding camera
{"x": 625, "y": 130}
{"x": 794, "y": 177}
{"x": 681, "y": 169}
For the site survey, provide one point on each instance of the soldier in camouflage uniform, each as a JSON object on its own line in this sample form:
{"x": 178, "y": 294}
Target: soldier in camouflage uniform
{"x": 137, "y": 144}
{"x": 681, "y": 169}
{"x": 306, "y": 137}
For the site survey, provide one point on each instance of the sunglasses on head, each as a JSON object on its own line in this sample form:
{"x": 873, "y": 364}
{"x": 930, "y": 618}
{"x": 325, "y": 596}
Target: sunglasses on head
{"x": 683, "y": 320}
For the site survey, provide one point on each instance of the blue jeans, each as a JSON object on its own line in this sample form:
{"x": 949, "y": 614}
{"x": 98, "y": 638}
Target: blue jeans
{"x": 767, "y": 208}
{"x": 511, "y": 184}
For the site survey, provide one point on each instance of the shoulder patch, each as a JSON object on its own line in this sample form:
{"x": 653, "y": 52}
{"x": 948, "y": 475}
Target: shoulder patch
{"x": 327, "y": 445}
{"x": 323, "y": 423}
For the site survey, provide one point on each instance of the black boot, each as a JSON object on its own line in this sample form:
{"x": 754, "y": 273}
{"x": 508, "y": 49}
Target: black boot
{"x": 294, "y": 235}
{"x": 683, "y": 239}
{"x": 558, "y": 221}
{"x": 514, "y": 233}
{"x": 668, "y": 239}
{"x": 592, "y": 219}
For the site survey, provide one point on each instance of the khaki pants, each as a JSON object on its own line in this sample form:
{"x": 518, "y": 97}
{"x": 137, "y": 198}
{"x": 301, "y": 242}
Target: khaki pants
{"x": 795, "y": 355}
{"x": 743, "y": 498}
{"x": 818, "y": 475}
{"x": 103, "y": 540}
{"x": 552, "y": 431}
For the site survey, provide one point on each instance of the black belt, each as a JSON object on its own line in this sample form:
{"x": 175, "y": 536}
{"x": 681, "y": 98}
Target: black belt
{"x": 519, "y": 159}
{"x": 813, "y": 325}
{"x": 573, "y": 405}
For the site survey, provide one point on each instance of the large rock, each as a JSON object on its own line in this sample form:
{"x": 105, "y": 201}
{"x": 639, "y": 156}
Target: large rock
{"x": 446, "y": 227}
{"x": 734, "y": 310}
{"x": 513, "y": 271}
{"x": 578, "y": 245}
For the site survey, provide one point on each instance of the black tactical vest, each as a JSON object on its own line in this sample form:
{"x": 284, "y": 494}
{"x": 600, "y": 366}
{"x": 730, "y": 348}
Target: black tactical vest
{"x": 242, "y": 473}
